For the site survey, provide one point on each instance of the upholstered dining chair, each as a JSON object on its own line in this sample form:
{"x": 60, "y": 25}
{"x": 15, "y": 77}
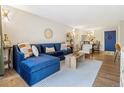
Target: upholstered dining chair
{"x": 87, "y": 49}
{"x": 96, "y": 46}
{"x": 117, "y": 52}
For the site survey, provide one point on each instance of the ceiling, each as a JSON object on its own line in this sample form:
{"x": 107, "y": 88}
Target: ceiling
{"x": 79, "y": 16}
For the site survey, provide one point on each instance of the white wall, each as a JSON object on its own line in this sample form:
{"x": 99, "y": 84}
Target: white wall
{"x": 121, "y": 33}
{"x": 26, "y": 27}
{"x": 121, "y": 40}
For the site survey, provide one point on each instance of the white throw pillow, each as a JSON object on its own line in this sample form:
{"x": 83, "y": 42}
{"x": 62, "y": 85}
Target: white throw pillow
{"x": 26, "y": 49}
{"x": 35, "y": 51}
{"x": 50, "y": 49}
{"x": 63, "y": 46}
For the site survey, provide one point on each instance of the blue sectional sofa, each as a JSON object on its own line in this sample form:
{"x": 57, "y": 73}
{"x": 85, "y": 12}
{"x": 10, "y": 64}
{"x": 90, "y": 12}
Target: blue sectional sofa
{"x": 34, "y": 69}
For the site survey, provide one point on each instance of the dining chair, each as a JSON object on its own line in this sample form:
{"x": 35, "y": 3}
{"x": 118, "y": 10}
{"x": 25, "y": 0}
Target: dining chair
{"x": 117, "y": 51}
{"x": 87, "y": 49}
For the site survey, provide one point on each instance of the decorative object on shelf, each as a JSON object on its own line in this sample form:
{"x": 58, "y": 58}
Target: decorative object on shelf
{"x": 6, "y": 41}
{"x": 48, "y": 33}
{"x": 69, "y": 39}
{"x": 73, "y": 40}
{"x": 90, "y": 36}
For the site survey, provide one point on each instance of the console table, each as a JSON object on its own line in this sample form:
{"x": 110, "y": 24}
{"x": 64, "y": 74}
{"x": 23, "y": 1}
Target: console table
{"x": 8, "y": 61}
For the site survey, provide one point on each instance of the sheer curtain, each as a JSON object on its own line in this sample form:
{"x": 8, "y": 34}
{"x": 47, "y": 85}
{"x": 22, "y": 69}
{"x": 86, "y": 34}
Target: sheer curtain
{"x": 1, "y": 48}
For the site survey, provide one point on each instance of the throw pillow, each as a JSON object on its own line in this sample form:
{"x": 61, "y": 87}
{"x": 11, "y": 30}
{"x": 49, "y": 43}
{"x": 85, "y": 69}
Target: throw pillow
{"x": 50, "y": 49}
{"x": 35, "y": 51}
{"x": 26, "y": 49}
{"x": 63, "y": 46}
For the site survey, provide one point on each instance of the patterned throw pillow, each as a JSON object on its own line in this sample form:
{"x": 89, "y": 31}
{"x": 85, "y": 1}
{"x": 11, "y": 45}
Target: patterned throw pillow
{"x": 50, "y": 49}
{"x": 35, "y": 51}
{"x": 26, "y": 49}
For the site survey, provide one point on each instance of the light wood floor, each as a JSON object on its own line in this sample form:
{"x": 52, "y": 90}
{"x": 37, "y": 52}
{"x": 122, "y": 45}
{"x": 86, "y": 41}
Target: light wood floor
{"x": 108, "y": 76}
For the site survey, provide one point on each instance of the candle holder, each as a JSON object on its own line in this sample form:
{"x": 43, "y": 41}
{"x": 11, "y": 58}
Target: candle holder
{"x": 6, "y": 42}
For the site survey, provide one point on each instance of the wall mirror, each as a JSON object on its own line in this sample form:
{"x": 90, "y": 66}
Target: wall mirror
{"x": 48, "y": 33}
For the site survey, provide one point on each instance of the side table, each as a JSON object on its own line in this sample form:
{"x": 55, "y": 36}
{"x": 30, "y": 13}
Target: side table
{"x": 9, "y": 49}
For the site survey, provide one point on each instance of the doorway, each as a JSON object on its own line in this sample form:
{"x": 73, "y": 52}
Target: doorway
{"x": 110, "y": 40}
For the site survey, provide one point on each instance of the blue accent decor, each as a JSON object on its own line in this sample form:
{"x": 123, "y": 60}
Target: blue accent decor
{"x": 34, "y": 69}
{"x": 110, "y": 40}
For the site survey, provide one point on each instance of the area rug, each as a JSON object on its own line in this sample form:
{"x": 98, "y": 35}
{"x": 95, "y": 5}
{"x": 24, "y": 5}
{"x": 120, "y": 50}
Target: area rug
{"x": 83, "y": 76}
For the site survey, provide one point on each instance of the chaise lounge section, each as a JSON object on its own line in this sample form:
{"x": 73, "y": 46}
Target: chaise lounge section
{"x": 35, "y": 69}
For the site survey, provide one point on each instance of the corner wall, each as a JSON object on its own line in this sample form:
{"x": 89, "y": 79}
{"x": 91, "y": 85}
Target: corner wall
{"x": 121, "y": 33}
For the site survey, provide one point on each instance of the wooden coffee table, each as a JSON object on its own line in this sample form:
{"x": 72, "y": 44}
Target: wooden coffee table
{"x": 72, "y": 59}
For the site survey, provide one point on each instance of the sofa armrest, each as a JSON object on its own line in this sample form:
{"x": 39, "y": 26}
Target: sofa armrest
{"x": 17, "y": 58}
{"x": 20, "y": 56}
{"x": 59, "y": 53}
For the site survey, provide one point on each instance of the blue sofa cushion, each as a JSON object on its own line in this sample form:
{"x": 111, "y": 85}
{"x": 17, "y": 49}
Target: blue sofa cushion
{"x": 68, "y": 51}
{"x": 33, "y": 64}
{"x": 43, "y": 47}
{"x": 56, "y": 53}
{"x": 59, "y": 53}
{"x": 57, "y": 46}
{"x": 51, "y": 53}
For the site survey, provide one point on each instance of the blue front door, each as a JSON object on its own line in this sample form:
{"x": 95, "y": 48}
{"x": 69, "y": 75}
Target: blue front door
{"x": 110, "y": 40}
